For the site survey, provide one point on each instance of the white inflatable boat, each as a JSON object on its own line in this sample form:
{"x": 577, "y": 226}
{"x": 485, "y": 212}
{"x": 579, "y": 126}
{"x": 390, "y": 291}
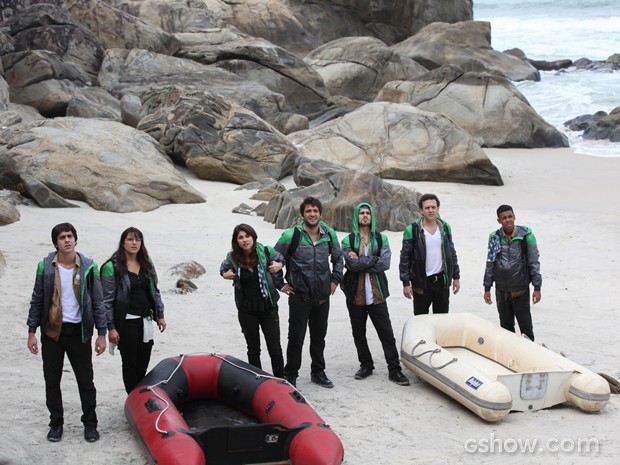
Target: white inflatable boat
{"x": 492, "y": 371}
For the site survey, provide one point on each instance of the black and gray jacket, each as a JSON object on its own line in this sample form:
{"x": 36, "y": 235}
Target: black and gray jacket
{"x": 307, "y": 269}
{"x": 513, "y": 265}
{"x": 412, "y": 266}
{"x": 116, "y": 292}
{"x": 91, "y": 297}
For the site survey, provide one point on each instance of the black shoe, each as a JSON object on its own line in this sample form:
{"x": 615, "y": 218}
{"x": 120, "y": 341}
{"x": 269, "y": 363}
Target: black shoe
{"x": 399, "y": 379}
{"x": 292, "y": 380}
{"x": 91, "y": 434}
{"x": 363, "y": 373}
{"x": 321, "y": 379}
{"x": 55, "y": 433}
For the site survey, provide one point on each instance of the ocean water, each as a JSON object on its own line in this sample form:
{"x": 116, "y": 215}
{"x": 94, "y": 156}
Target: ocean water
{"x": 558, "y": 29}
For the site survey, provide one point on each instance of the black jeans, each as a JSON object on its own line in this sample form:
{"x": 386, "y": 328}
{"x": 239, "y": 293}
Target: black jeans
{"x": 436, "y": 294}
{"x": 510, "y": 308}
{"x": 135, "y": 353}
{"x": 80, "y": 357}
{"x": 380, "y": 318}
{"x": 304, "y": 314}
{"x": 269, "y": 322}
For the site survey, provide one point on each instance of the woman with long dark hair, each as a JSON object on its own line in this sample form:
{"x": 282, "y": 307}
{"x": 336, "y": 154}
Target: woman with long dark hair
{"x": 256, "y": 272}
{"x": 132, "y": 301}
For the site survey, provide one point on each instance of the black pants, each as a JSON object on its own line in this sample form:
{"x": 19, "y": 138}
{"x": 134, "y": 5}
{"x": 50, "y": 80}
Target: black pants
{"x": 269, "y": 322}
{"x": 510, "y": 308}
{"x": 80, "y": 357}
{"x": 436, "y": 294}
{"x": 380, "y": 318}
{"x": 135, "y": 353}
{"x": 304, "y": 314}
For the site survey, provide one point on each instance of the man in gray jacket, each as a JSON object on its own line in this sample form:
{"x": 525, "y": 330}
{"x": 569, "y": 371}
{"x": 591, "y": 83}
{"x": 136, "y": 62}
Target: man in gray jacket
{"x": 308, "y": 249}
{"x": 512, "y": 264}
{"x": 67, "y": 301}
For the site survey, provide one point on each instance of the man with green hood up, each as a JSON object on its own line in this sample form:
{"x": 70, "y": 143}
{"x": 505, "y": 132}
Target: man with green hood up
{"x": 367, "y": 255}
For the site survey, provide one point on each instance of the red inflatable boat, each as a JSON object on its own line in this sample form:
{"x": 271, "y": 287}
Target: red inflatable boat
{"x": 283, "y": 428}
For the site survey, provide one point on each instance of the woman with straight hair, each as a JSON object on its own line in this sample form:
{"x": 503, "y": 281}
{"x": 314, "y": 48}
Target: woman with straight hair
{"x": 256, "y": 272}
{"x": 132, "y": 301}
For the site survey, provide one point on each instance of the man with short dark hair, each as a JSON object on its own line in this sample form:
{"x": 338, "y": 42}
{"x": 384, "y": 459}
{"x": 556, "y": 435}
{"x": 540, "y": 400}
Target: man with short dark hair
{"x": 308, "y": 249}
{"x": 367, "y": 256}
{"x": 67, "y": 301}
{"x": 428, "y": 262}
{"x": 512, "y": 264}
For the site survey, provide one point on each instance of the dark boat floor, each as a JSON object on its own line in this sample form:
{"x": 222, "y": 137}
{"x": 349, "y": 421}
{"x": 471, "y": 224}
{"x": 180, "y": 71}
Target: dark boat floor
{"x": 204, "y": 414}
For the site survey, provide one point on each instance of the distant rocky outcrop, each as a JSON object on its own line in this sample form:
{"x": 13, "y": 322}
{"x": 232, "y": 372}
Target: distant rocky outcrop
{"x": 399, "y": 141}
{"x": 108, "y": 165}
{"x": 466, "y": 44}
{"x": 394, "y": 206}
{"x": 599, "y": 126}
{"x": 487, "y": 105}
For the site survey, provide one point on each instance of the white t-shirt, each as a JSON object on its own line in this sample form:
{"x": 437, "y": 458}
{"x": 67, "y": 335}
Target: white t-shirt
{"x": 367, "y": 286}
{"x": 70, "y": 305}
{"x": 434, "y": 259}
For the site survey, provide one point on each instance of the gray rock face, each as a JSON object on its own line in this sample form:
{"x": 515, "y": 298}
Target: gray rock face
{"x": 395, "y": 207}
{"x": 137, "y": 71}
{"x": 42, "y": 80}
{"x": 108, "y": 165}
{"x": 301, "y": 26}
{"x": 48, "y": 27}
{"x": 466, "y": 44}
{"x": 358, "y": 67}
{"x": 275, "y": 68}
{"x": 117, "y": 29}
{"x": 214, "y": 139}
{"x": 487, "y": 105}
{"x": 399, "y": 141}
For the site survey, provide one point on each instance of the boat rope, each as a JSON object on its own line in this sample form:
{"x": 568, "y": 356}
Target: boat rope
{"x": 223, "y": 359}
{"x": 430, "y": 357}
{"x": 164, "y": 381}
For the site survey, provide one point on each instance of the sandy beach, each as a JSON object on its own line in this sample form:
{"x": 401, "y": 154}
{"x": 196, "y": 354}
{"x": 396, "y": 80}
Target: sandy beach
{"x": 569, "y": 201}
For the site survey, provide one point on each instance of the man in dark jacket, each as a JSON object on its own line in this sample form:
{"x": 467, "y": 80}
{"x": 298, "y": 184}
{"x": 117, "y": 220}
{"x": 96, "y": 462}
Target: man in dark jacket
{"x": 428, "y": 262}
{"x": 512, "y": 264}
{"x": 307, "y": 250}
{"x": 367, "y": 256}
{"x": 66, "y": 303}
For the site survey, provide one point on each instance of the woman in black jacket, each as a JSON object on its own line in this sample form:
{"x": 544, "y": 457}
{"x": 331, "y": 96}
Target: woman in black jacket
{"x": 256, "y": 272}
{"x": 132, "y": 301}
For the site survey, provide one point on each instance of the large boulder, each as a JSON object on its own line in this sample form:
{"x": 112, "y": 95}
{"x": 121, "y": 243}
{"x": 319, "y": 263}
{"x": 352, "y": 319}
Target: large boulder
{"x": 215, "y": 139}
{"x": 358, "y": 67}
{"x": 466, "y": 44}
{"x": 117, "y": 29}
{"x": 48, "y": 27}
{"x": 136, "y": 72}
{"x": 395, "y": 206}
{"x": 399, "y": 141}
{"x": 267, "y": 64}
{"x": 487, "y": 105}
{"x": 106, "y": 164}
{"x": 55, "y": 87}
{"x": 8, "y": 214}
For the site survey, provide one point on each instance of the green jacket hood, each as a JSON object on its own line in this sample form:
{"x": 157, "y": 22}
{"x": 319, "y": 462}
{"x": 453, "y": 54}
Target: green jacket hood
{"x": 356, "y": 227}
